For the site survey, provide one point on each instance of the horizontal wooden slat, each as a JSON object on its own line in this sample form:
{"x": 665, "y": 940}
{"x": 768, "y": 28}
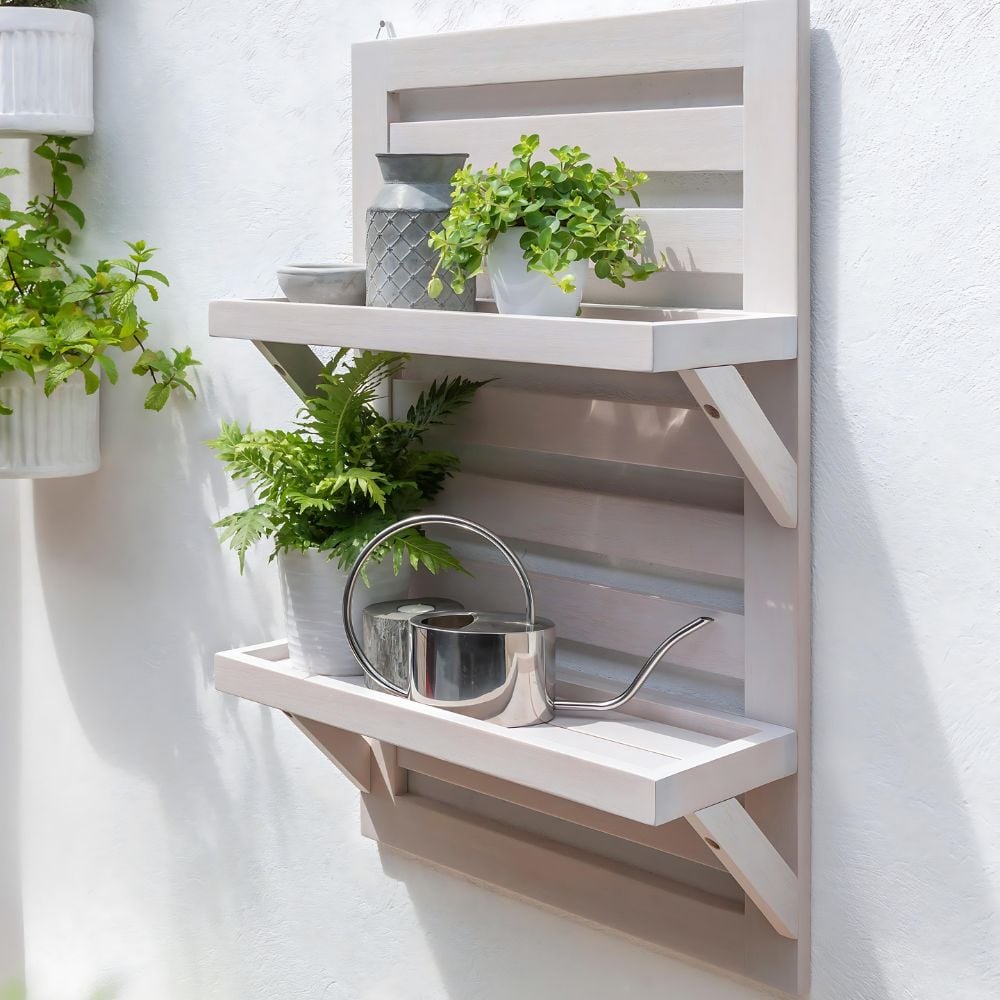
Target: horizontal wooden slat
{"x": 696, "y": 239}
{"x": 630, "y": 92}
{"x": 708, "y": 38}
{"x": 663, "y": 389}
{"x": 672, "y": 139}
{"x": 673, "y": 289}
{"x": 604, "y": 616}
{"x": 664, "y": 534}
{"x": 704, "y": 291}
{"x": 601, "y": 892}
{"x": 672, "y": 838}
{"x": 657, "y": 737}
{"x": 627, "y": 433}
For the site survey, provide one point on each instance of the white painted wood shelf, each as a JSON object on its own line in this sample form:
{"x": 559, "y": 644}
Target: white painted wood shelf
{"x": 663, "y": 763}
{"x": 613, "y": 338}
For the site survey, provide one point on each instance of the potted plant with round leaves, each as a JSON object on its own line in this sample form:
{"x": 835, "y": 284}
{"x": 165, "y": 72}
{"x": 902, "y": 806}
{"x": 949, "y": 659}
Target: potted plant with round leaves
{"x": 47, "y": 84}
{"x": 534, "y": 226}
{"x": 61, "y": 329}
{"x": 327, "y": 487}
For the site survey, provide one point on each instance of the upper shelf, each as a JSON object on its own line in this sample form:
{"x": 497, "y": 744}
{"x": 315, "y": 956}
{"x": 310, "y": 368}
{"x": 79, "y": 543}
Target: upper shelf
{"x": 658, "y": 763}
{"x": 622, "y": 338}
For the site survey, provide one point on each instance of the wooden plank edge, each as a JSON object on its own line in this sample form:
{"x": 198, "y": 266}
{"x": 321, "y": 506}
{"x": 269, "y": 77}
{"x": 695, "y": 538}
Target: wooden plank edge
{"x": 753, "y": 861}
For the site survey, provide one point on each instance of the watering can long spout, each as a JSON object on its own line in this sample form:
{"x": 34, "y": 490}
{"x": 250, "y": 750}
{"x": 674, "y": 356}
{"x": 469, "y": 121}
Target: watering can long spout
{"x": 640, "y": 678}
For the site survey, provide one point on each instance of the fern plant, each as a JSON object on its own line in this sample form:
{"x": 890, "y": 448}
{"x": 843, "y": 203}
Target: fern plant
{"x": 345, "y": 472}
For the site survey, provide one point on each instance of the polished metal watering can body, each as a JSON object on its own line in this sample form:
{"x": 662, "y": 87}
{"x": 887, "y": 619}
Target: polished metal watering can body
{"x": 490, "y": 665}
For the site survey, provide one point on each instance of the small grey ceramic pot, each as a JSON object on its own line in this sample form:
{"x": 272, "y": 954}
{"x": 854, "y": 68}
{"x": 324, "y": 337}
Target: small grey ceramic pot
{"x": 327, "y": 284}
{"x": 413, "y": 202}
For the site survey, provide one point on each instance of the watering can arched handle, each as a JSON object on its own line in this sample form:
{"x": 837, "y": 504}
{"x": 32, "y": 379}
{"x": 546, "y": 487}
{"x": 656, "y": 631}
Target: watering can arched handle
{"x": 381, "y": 538}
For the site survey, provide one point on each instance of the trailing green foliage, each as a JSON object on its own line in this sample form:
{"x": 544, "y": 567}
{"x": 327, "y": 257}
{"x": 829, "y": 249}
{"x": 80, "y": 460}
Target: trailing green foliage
{"x": 566, "y": 209}
{"x": 346, "y": 472}
{"x": 58, "y": 323}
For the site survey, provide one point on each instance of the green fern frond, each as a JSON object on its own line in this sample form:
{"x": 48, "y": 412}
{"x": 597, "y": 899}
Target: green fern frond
{"x": 244, "y": 529}
{"x": 337, "y": 410}
{"x": 440, "y": 401}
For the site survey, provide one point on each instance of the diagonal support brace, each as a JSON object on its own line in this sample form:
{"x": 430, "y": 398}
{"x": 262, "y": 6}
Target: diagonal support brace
{"x": 749, "y": 435}
{"x": 350, "y": 753}
{"x": 762, "y": 873}
{"x": 297, "y": 364}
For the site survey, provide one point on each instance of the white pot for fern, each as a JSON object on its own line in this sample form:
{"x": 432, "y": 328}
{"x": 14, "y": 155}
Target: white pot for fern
{"x": 46, "y": 71}
{"x": 313, "y": 588}
{"x": 48, "y": 436}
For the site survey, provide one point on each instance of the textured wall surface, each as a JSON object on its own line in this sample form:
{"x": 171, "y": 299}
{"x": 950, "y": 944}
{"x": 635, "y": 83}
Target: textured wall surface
{"x": 178, "y": 845}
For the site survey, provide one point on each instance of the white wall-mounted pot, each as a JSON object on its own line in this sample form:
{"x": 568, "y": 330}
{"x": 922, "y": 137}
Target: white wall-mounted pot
{"x": 48, "y": 437}
{"x": 313, "y": 589}
{"x": 520, "y": 292}
{"x": 46, "y": 71}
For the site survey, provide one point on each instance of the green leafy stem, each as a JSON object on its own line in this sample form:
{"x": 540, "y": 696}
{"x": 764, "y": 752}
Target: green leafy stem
{"x": 58, "y": 322}
{"x": 565, "y": 211}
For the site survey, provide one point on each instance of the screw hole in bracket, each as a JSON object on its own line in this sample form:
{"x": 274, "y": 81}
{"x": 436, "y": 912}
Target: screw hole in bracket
{"x": 712, "y": 411}
{"x": 713, "y": 844}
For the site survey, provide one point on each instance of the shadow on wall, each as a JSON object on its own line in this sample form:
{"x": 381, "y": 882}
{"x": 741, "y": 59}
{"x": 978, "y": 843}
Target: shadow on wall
{"x": 893, "y": 842}
{"x": 11, "y": 922}
{"x": 889, "y": 819}
{"x": 137, "y": 600}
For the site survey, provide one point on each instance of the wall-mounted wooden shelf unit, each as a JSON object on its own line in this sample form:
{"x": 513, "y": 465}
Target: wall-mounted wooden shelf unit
{"x": 649, "y": 461}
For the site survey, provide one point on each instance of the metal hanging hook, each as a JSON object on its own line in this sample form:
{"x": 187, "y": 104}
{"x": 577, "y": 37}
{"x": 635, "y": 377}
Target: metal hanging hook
{"x": 386, "y": 26}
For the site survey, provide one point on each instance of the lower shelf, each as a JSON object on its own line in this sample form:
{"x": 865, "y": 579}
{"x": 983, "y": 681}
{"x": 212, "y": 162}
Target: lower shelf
{"x": 660, "y": 762}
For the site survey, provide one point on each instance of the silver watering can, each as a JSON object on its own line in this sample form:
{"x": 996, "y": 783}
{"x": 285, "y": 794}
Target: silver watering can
{"x": 489, "y": 665}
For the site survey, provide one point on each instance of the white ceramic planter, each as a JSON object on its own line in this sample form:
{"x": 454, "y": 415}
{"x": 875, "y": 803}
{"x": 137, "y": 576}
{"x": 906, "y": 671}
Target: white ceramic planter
{"x": 48, "y": 437}
{"x": 46, "y": 71}
{"x": 313, "y": 588}
{"x": 520, "y": 292}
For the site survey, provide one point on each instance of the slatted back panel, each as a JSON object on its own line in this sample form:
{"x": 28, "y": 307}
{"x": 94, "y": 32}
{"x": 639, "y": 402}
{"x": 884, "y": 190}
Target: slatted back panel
{"x": 667, "y": 102}
{"x": 630, "y": 515}
{"x": 619, "y": 553}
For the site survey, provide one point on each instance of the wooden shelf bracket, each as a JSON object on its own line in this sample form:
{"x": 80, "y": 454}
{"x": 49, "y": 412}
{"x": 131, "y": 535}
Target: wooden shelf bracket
{"x": 749, "y": 435}
{"x": 726, "y": 828}
{"x": 350, "y": 753}
{"x": 762, "y": 873}
{"x": 297, "y": 364}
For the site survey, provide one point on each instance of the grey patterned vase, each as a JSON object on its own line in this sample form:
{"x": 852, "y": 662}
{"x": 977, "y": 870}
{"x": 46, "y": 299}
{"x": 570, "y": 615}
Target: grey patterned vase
{"x": 413, "y": 202}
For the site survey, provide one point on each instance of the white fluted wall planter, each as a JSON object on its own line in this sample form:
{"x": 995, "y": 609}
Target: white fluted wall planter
{"x": 46, "y": 71}
{"x": 48, "y": 437}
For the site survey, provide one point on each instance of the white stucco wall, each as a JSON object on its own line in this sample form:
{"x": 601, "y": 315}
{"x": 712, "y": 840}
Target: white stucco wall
{"x": 178, "y": 845}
